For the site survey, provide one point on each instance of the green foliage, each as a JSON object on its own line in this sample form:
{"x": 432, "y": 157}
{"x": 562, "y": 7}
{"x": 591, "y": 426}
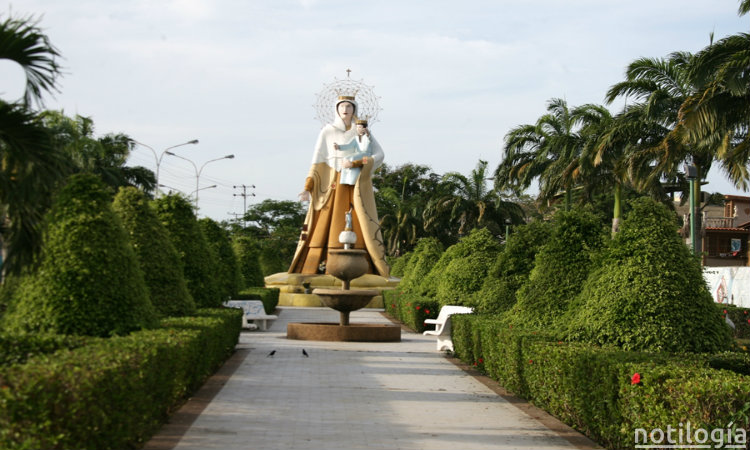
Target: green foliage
{"x": 649, "y": 293}
{"x": 425, "y": 255}
{"x": 275, "y": 226}
{"x": 248, "y": 254}
{"x": 176, "y": 214}
{"x": 411, "y": 309}
{"x": 466, "y": 274}
{"x": 157, "y": 256}
{"x": 512, "y": 267}
{"x": 269, "y": 297}
{"x": 227, "y": 270}
{"x": 428, "y": 286}
{"x": 398, "y": 265}
{"x": 89, "y": 281}
{"x": 739, "y": 316}
{"x": 560, "y": 269}
{"x": 112, "y": 393}
{"x": 17, "y": 348}
{"x": 590, "y": 388}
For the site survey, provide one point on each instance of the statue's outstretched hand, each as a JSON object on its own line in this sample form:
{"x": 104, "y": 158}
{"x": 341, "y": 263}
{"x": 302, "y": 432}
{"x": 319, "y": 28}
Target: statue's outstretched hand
{"x": 304, "y": 196}
{"x": 336, "y": 146}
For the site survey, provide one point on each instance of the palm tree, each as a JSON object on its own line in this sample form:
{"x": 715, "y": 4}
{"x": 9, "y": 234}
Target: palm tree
{"x": 717, "y": 114}
{"x": 468, "y": 204}
{"x": 30, "y": 168}
{"x": 104, "y": 156}
{"x": 548, "y": 150}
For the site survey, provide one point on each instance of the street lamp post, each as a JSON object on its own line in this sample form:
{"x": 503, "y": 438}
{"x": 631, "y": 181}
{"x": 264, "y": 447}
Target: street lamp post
{"x": 161, "y": 155}
{"x": 691, "y": 172}
{"x": 198, "y": 171}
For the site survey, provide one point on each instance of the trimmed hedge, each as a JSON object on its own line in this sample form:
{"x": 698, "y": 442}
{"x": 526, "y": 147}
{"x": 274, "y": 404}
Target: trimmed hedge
{"x": 88, "y": 281}
{"x": 422, "y": 259}
{"x": 116, "y": 392}
{"x": 157, "y": 256}
{"x": 269, "y": 297}
{"x": 16, "y": 349}
{"x": 176, "y": 214}
{"x": 248, "y": 254}
{"x": 227, "y": 269}
{"x": 590, "y": 387}
{"x": 739, "y": 316}
{"x": 410, "y": 309}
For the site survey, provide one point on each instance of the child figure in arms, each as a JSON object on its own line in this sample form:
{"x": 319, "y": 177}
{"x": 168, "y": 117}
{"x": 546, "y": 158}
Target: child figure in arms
{"x": 354, "y": 153}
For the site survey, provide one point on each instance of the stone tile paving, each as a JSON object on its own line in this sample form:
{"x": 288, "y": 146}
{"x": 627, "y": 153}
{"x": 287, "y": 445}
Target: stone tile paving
{"x": 347, "y": 395}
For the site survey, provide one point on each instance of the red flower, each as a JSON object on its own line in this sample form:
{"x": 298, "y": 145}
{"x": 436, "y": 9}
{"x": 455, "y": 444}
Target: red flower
{"x": 636, "y": 378}
{"x": 393, "y": 305}
{"x": 475, "y": 363}
{"x": 725, "y": 311}
{"x": 418, "y": 307}
{"x": 481, "y": 361}
{"x": 748, "y": 320}
{"x": 745, "y": 312}
{"x": 531, "y": 361}
{"x": 426, "y": 311}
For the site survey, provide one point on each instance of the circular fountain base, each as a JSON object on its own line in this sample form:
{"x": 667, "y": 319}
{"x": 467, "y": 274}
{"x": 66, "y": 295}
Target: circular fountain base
{"x": 358, "y": 332}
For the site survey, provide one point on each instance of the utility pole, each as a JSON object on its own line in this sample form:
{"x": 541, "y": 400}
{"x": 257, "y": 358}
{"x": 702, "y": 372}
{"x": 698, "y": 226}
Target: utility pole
{"x": 244, "y": 196}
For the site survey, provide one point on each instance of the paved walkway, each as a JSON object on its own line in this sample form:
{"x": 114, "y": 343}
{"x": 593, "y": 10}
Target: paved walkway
{"x": 347, "y": 395}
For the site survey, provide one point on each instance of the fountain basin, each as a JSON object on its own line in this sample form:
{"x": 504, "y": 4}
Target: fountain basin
{"x": 358, "y": 332}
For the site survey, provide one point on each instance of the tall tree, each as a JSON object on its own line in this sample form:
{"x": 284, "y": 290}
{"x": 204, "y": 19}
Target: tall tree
{"x": 30, "y": 168}
{"x": 468, "y": 203}
{"x": 548, "y": 150}
{"x": 104, "y": 156}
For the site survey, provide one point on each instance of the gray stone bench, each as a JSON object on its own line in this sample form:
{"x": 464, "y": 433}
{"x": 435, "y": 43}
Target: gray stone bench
{"x": 254, "y": 313}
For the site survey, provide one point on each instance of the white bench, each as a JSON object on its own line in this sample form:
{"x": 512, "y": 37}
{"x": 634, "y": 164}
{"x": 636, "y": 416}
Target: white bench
{"x": 443, "y": 325}
{"x": 253, "y": 311}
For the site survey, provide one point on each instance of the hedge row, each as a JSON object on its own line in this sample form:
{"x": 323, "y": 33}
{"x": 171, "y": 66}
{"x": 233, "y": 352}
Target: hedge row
{"x": 410, "y": 309}
{"x": 269, "y": 297}
{"x": 740, "y": 317}
{"x": 116, "y": 392}
{"x": 592, "y": 388}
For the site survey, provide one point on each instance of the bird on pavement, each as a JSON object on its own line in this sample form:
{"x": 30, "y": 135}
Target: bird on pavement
{"x": 305, "y": 353}
{"x": 273, "y": 352}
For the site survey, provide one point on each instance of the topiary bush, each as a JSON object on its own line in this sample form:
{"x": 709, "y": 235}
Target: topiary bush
{"x": 428, "y": 284}
{"x": 649, "y": 293}
{"x": 158, "y": 258}
{"x": 88, "y": 281}
{"x": 464, "y": 275}
{"x": 399, "y": 264}
{"x": 176, "y": 214}
{"x": 227, "y": 270}
{"x": 426, "y": 253}
{"x": 512, "y": 267}
{"x": 248, "y": 253}
{"x": 560, "y": 269}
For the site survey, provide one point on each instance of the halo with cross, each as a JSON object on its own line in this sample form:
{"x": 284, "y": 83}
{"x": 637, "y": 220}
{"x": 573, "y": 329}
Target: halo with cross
{"x": 367, "y": 101}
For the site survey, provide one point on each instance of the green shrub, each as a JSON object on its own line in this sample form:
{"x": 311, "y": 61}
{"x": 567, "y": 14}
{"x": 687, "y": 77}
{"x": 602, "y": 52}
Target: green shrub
{"x": 426, "y": 253}
{"x": 649, "y": 294}
{"x": 157, "y": 256}
{"x": 466, "y": 274}
{"x": 88, "y": 281}
{"x": 560, "y": 269}
{"x": 17, "y": 348}
{"x": 475, "y": 242}
{"x": 511, "y": 268}
{"x": 591, "y": 389}
{"x": 227, "y": 270}
{"x": 399, "y": 264}
{"x": 269, "y": 297}
{"x": 112, "y": 393}
{"x": 248, "y": 252}
{"x": 739, "y": 316}
{"x": 176, "y": 214}
{"x": 410, "y": 309}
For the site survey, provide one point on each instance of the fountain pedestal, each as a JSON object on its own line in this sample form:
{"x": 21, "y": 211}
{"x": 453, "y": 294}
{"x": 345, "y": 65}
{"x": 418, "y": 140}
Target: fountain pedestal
{"x": 346, "y": 265}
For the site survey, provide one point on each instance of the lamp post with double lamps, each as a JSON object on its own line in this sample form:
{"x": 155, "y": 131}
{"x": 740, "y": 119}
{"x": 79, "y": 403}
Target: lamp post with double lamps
{"x": 198, "y": 171}
{"x": 161, "y": 155}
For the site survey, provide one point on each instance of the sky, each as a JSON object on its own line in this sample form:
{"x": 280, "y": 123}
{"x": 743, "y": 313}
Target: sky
{"x": 242, "y": 76}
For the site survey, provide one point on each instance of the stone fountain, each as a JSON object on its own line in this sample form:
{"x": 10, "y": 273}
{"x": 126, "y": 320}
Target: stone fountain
{"x": 345, "y": 264}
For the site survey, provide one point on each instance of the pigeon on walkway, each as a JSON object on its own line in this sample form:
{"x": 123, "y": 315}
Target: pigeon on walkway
{"x": 273, "y": 352}
{"x": 305, "y": 353}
